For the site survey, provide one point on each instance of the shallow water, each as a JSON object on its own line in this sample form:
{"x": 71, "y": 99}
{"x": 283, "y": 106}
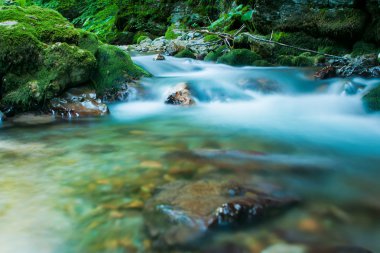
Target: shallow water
{"x": 80, "y": 185}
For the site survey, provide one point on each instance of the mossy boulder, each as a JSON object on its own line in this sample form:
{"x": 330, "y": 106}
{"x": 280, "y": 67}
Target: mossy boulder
{"x": 239, "y": 57}
{"x": 42, "y": 55}
{"x": 186, "y": 53}
{"x": 214, "y": 55}
{"x": 372, "y": 99}
{"x": 114, "y": 68}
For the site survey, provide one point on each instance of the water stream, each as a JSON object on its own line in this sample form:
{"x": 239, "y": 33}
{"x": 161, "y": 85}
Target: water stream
{"x": 80, "y": 185}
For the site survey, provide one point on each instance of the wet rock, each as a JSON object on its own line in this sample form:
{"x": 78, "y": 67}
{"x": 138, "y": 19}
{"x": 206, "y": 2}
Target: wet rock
{"x": 159, "y": 57}
{"x": 180, "y": 96}
{"x": 122, "y": 93}
{"x": 326, "y": 72}
{"x": 78, "y": 102}
{"x": 364, "y": 66}
{"x": 183, "y": 211}
{"x": 2, "y": 116}
{"x": 8, "y": 111}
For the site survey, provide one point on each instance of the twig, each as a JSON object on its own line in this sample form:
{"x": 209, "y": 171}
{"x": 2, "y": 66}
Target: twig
{"x": 289, "y": 46}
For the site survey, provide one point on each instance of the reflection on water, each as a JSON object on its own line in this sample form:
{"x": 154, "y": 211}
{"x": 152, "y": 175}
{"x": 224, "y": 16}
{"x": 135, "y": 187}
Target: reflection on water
{"x": 81, "y": 186}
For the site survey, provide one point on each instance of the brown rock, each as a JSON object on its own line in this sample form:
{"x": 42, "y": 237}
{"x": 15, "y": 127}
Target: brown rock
{"x": 180, "y": 96}
{"x": 78, "y": 102}
{"x": 183, "y": 211}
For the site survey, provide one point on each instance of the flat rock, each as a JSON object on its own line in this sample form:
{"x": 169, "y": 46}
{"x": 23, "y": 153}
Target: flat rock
{"x": 78, "y": 102}
{"x": 183, "y": 211}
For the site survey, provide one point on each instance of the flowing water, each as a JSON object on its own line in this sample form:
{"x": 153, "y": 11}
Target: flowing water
{"x": 80, "y": 185}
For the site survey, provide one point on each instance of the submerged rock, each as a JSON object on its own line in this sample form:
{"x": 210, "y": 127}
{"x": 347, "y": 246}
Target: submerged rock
{"x": 121, "y": 93}
{"x": 180, "y": 96}
{"x": 183, "y": 211}
{"x": 32, "y": 119}
{"x": 78, "y": 102}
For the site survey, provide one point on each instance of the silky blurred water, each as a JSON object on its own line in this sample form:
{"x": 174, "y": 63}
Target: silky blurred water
{"x": 80, "y": 185}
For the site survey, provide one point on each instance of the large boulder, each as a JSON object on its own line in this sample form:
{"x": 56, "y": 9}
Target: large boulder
{"x": 183, "y": 211}
{"x": 42, "y": 55}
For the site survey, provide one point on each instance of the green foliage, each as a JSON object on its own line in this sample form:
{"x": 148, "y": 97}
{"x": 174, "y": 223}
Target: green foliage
{"x": 303, "y": 61}
{"x": 89, "y": 41}
{"x": 102, "y": 22}
{"x": 239, "y": 57}
{"x": 211, "y": 38}
{"x": 214, "y": 55}
{"x": 234, "y": 19}
{"x": 170, "y": 34}
{"x": 372, "y": 99}
{"x": 140, "y": 36}
{"x": 362, "y": 47}
{"x": 186, "y": 53}
{"x": 115, "y": 67}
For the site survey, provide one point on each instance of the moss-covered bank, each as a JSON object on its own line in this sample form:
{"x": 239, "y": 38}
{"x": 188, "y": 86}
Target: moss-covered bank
{"x": 42, "y": 54}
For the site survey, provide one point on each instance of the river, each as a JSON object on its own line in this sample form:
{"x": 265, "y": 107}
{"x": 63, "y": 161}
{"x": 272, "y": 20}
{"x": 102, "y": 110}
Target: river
{"x": 80, "y": 185}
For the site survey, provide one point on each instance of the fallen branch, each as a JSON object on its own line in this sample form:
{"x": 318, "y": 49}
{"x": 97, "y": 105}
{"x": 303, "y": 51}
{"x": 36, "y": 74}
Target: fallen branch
{"x": 290, "y": 46}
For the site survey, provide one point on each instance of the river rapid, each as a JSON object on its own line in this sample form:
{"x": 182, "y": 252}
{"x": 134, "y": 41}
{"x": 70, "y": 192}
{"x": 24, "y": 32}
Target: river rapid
{"x": 80, "y": 185}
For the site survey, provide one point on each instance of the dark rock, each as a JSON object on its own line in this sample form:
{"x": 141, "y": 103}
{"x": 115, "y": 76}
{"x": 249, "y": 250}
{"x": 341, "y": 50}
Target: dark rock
{"x": 2, "y": 116}
{"x": 121, "y": 93}
{"x": 8, "y": 111}
{"x": 364, "y": 66}
{"x": 159, "y": 57}
{"x": 326, "y": 72}
{"x": 78, "y": 102}
{"x": 183, "y": 211}
{"x": 180, "y": 96}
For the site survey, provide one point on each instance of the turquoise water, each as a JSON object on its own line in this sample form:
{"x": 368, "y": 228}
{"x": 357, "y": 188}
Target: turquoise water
{"x": 81, "y": 185}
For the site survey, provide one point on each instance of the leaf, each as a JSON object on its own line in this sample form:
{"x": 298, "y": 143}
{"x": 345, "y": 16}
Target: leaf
{"x": 247, "y": 16}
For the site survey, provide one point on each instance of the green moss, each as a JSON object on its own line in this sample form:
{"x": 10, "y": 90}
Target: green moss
{"x": 284, "y": 60}
{"x": 89, "y": 41}
{"x": 63, "y": 66}
{"x": 338, "y": 23}
{"x": 239, "y": 57}
{"x": 372, "y": 99}
{"x": 186, "y": 53}
{"x": 211, "y": 38}
{"x": 261, "y": 63}
{"x": 141, "y": 38}
{"x": 115, "y": 67}
{"x": 34, "y": 68}
{"x": 214, "y": 55}
{"x": 170, "y": 34}
{"x": 303, "y": 61}
{"x": 18, "y": 49}
{"x": 46, "y": 25}
{"x": 361, "y": 48}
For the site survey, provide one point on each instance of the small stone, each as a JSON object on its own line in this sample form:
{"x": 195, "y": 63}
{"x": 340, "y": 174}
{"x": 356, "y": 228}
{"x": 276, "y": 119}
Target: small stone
{"x": 180, "y": 96}
{"x": 326, "y": 72}
{"x": 159, "y": 57}
{"x": 309, "y": 225}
